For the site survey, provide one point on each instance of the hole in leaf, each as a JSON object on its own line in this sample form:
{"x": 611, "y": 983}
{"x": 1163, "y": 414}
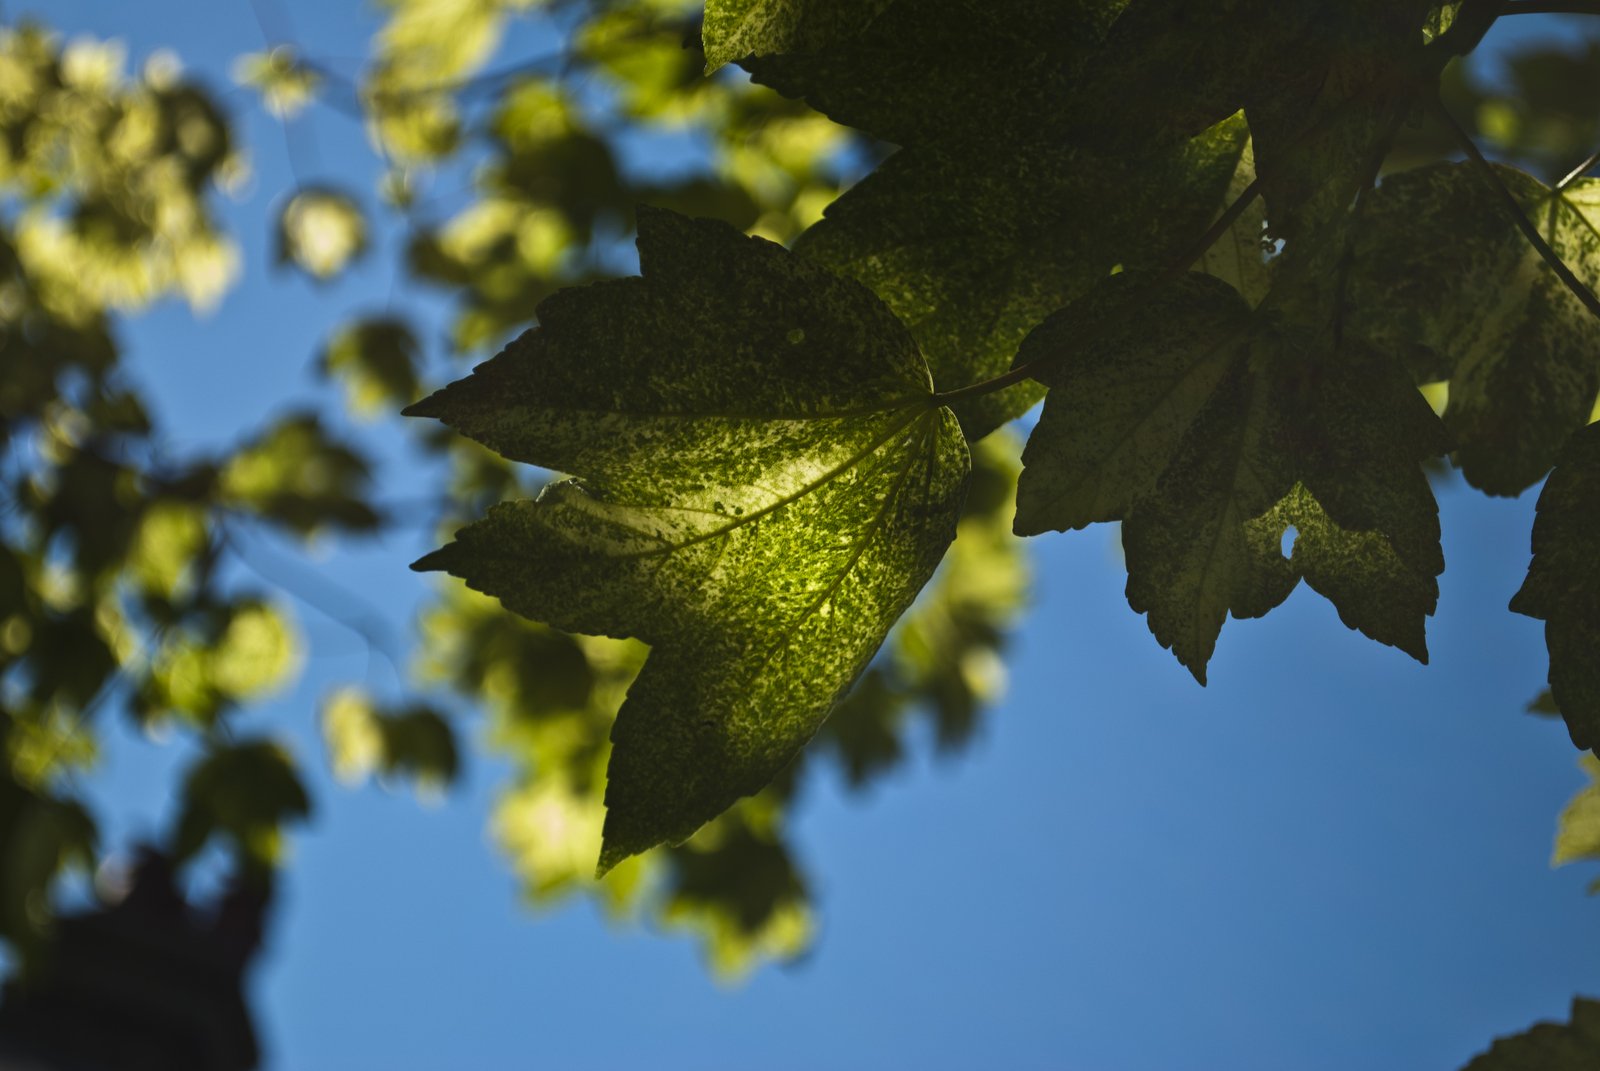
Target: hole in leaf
{"x": 1286, "y": 545}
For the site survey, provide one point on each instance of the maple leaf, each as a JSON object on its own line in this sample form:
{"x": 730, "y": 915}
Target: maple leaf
{"x": 765, "y": 482}
{"x": 734, "y": 29}
{"x": 1210, "y": 429}
{"x": 1442, "y": 271}
{"x": 1563, "y": 584}
{"x": 971, "y": 249}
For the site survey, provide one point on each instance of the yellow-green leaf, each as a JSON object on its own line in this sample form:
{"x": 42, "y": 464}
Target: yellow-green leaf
{"x": 765, "y": 481}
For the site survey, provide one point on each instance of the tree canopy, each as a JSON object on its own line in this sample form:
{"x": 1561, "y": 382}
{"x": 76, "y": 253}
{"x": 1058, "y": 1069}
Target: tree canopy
{"x": 762, "y": 504}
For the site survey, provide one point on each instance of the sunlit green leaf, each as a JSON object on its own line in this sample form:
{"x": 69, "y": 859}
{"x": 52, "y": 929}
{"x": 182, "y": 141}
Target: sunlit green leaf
{"x": 764, "y": 487}
{"x": 734, "y": 29}
{"x": 1579, "y": 834}
{"x": 414, "y": 743}
{"x": 321, "y": 231}
{"x": 286, "y": 84}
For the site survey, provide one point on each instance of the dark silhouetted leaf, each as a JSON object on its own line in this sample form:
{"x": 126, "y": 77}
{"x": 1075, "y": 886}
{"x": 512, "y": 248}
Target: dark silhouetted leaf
{"x": 1563, "y": 584}
{"x": 1441, "y": 266}
{"x": 1573, "y": 1046}
{"x": 1209, "y": 430}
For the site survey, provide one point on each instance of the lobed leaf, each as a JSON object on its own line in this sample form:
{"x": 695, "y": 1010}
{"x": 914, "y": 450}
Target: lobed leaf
{"x": 764, "y": 484}
{"x": 971, "y": 249}
{"x": 1209, "y": 429}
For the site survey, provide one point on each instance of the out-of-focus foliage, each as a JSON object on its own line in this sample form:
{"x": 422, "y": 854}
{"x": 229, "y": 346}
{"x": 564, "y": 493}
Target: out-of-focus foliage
{"x": 121, "y": 587}
{"x": 1578, "y": 837}
{"x": 415, "y": 743}
{"x": 111, "y": 174}
{"x": 112, "y": 591}
{"x": 287, "y": 86}
{"x": 320, "y": 232}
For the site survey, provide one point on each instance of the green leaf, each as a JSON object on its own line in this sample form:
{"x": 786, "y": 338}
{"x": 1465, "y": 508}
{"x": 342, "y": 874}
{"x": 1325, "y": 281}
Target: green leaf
{"x": 414, "y": 743}
{"x": 765, "y": 483}
{"x": 245, "y": 791}
{"x": 1573, "y": 1046}
{"x": 377, "y": 360}
{"x": 1209, "y": 430}
{"x": 971, "y": 248}
{"x": 320, "y": 231}
{"x": 296, "y": 474}
{"x": 734, "y": 29}
{"x": 1563, "y": 584}
{"x": 1339, "y": 91}
{"x": 1442, "y": 272}
{"x": 945, "y": 72}
{"x": 1579, "y": 834}
{"x": 285, "y": 83}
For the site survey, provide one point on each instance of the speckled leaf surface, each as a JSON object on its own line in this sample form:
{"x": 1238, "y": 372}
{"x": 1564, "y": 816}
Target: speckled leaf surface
{"x": 1572, "y": 1046}
{"x": 943, "y": 72}
{"x": 1563, "y": 584}
{"x": 1239, "y": 256}
{"x": 1442, "y": 272}
{"x": 1209, "y": 429}
{"x": 764, "y": 484}
{"x": 734, "y": 29}
{"x": 972, "y": 250}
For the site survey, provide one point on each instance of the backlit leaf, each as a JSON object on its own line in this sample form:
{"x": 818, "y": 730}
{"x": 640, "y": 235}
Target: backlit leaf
{"x": 972, "y": 249}
{"x": 764, "y": 484}
{"x": 737, "y": 28}
{"x": 320, "y": 232}
{"x": 1579, "y": 834}
{"x": 1209, "y": 429}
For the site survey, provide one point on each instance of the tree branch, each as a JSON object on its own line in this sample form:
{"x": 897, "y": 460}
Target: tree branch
{"x": 1509, "y": 201}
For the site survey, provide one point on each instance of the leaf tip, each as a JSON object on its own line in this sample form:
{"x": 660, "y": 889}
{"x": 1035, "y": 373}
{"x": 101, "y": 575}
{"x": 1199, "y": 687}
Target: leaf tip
{"x": 611, "y": 854}
{"x": 431, "y": 406}
{"x": 433, "y": 562}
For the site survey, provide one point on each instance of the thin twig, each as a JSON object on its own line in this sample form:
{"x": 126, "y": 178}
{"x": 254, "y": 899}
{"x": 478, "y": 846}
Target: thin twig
{"x": 1578, "y": 172}
{"x": 1509, "y": 201}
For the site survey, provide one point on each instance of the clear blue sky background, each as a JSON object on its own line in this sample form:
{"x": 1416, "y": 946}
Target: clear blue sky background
{"x": 1332, "y": 858}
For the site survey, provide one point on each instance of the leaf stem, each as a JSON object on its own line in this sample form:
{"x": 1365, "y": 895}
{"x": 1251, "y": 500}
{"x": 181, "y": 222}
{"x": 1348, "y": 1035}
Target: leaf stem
{"x": 1578, "y": 172}
{"x": 1509, "y": 201}
{"x": 987, "y": 386}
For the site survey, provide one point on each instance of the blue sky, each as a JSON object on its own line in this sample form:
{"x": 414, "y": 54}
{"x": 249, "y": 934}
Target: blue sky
{"x": 1330, "y": 858}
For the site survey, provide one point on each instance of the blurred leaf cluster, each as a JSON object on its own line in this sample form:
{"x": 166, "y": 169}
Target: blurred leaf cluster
{"x": 126, "y": 585}
{"x": 126, "y": 574}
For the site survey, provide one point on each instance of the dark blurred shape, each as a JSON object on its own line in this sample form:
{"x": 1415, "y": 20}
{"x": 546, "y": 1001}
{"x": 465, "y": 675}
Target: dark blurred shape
{"x": 151, "y": 982}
